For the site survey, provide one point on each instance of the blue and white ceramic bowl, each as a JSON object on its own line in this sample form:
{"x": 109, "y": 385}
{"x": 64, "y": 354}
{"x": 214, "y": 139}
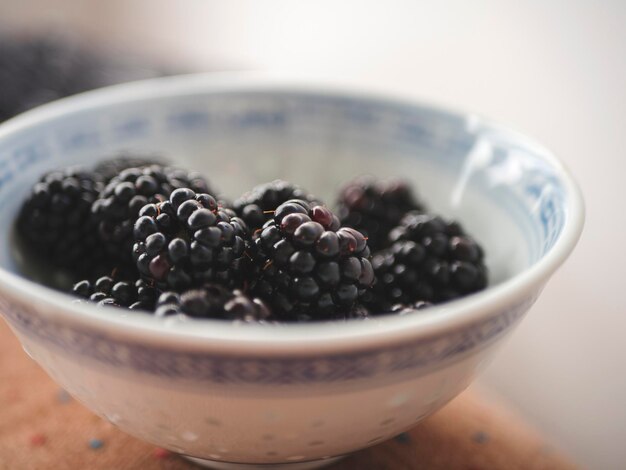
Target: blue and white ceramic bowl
{"x": 286, "y": 394}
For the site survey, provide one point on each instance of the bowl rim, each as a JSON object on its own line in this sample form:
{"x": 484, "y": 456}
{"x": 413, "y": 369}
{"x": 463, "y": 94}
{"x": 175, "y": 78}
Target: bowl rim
{"x": 311, "y": 338}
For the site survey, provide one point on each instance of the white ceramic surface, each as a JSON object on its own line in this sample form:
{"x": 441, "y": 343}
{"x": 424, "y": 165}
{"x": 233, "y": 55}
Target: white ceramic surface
{"x": 288, "y": 393}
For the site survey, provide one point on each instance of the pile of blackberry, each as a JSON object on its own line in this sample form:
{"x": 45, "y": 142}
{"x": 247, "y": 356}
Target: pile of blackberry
{"x": 214, "y": 301}
{"x": 135, "y": 233}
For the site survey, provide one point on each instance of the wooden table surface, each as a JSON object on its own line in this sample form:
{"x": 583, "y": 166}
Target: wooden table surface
{"x": 41, "y": 427}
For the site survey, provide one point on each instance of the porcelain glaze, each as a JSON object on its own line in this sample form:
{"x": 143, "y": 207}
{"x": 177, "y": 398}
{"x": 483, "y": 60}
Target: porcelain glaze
{"x": 286, "y": 394}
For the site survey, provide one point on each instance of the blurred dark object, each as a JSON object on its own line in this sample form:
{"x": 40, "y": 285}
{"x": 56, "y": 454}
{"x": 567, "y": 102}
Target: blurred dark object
{"x": 41, "y": 68}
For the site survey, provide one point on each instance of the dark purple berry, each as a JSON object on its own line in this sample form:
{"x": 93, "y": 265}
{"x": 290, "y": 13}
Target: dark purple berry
{"x": 291, "y": 222}
{"x": 322, "y": 215}
{"x": 133, "y": 194}
{"x": 56, "y": 223}
{"x": 375, "y": 207}
{"x": 200, "y": 243}
{"x": 305, "y": 269}
{"x": 216, "y": 302}
{"x": 429, "y": 260}
{"x": 144, "y": 227}
{"x": 288, "y": 208}
{"x": 82, "y": 289}
{"x": 106, "y": 291}
{"x": 257, "y": 206}
{"x": 159, "y": 267}
{"x": 307, "y": 233}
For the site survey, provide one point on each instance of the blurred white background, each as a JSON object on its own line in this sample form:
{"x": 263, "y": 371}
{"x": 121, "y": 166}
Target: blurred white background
{"x": 553, "y": 69}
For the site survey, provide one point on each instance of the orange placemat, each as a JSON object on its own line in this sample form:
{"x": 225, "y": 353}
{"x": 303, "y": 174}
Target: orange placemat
{"x": 41, "y": 427}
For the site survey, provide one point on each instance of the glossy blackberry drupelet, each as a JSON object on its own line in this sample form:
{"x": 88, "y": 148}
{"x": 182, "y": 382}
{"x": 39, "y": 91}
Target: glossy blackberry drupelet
{"x": 401, "y": 309}
{"x": 55, "y": 221}
{"x": 374, "y": 207}
{"x": 105, "y": 291}
{"x": 118, "y": 205}
{"x": 216, "y": 302}
{"x": 308, "y": 267}
{"x": 430, "y": 260}
{"x": 255, "y": 207}
{"x": 188, "y": 240}
{"x": 36, "y": 70}
{"x": 358, "y": 312}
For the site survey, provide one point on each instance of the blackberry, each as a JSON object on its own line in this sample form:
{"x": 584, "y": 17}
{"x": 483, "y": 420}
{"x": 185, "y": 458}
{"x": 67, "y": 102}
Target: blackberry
{"x": 429, "y": 259}
{"x": 255, "y": 207}
{"x": 374, "y": 207}
{"x": 55, "y": 220}
{"x": 118, "y": 205}
{"x": 105, "y": 291}
{"x": 214, "y": 301}
{"x": 310, "y": 268}
{"x": 189, "y": 240}
{"x": 112, "y": 167}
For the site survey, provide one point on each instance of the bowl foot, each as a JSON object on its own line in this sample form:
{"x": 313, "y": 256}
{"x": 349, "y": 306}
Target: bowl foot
{"x": 310, "y": 465}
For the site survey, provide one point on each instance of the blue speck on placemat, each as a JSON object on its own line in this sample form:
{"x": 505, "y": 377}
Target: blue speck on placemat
{"x": 63, "y": 396}
{"x": 95, "y": 444}
{"x": 480, "y": 437}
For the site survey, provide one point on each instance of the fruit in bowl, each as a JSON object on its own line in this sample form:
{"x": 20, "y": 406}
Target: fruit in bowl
{"x": 294, "y": 260}
{"x": 286, "y": 392}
